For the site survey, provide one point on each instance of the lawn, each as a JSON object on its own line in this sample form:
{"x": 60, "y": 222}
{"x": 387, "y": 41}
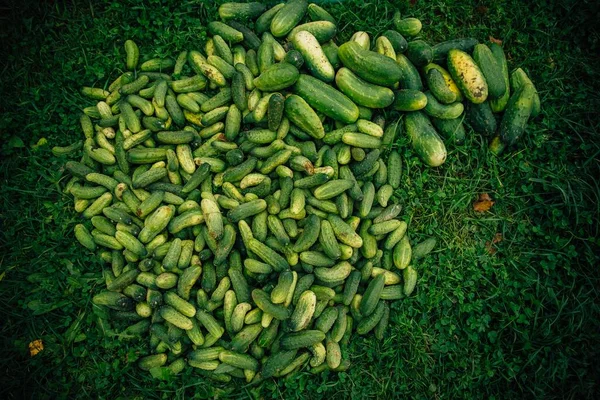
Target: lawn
{"x": 506, "y": 307}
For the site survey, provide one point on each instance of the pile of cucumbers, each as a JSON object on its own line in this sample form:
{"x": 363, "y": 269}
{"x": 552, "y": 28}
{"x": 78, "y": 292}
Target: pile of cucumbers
{"x": 243, "y": 199}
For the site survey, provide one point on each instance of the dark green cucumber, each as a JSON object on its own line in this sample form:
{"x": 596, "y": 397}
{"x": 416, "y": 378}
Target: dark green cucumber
{"x": 492, "y": 71}
{"x": 419, "y": 52}
{"x": 481, "y": 118}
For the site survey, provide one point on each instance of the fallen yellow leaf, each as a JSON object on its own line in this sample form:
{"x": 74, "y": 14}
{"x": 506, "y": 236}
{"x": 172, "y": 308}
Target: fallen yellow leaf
{"x": 35, "y": 347}
{"x": 483, "y": 203}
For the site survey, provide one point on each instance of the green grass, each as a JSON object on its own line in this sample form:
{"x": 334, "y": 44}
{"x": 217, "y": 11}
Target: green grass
{"x": 520, "y": 323}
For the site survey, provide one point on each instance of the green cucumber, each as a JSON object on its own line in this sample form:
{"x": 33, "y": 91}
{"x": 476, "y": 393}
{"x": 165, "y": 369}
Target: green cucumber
{"x": 410, "y": 100}
{"x": 424, "y": 139}
{"x": 481, "y": 118}
{"x": 398, "y": 41}
{"x": 323, "y": 31}
{"x": 440, "y": 50}
{"x": 492, "y": 71}
{"x": 419, "y": 52}
{"x": 299, "y": 112}
{"x": 410, "y": 78}
{"x": 362, "y": 92}
{"x": 276, "y": 77}
{"x": 369, "y": 65}
{"x": 452, "y": 129}
{"x": 498, "y": 105}
{"x": 241, "y": 10}
{"x": 443, "y": 111}
{"x": 326, "y": 99}
{"x": 517, "y": 113}
{"x": 519, "y": 78}
{"x": 288, "y": 17}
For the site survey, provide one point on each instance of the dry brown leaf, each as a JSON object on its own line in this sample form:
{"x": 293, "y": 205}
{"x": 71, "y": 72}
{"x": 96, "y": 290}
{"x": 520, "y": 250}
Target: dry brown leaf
{"x": 483, "y": 203}
{"x": 497, "y": 41}
{"x": 35, "y": 347}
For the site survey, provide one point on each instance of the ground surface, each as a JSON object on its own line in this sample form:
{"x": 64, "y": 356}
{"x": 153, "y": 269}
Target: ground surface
{"x": 515, "y": 319}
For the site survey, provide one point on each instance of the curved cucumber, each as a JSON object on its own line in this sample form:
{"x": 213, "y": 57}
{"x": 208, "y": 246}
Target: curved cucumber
{"x": 362, "y": 92}
{"x": 276, "y": 77}
{"x": 303, "y": 116}
{"x": 443, "y": 111}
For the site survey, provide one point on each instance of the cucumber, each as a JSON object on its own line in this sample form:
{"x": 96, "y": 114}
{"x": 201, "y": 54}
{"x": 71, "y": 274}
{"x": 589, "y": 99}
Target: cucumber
{"x": 362, "y": 92}
{"x": 424, "y": 139}
{"x": 492, "y": 71}
{"x": 423, "y": 248}
{"x": 331, "y": 52}
{"x": 410, "y": 280}
{"x": 275, "y": 111}
{"x": 238, "y": 360}
{"x": 323, "y": 31}
{"x": 410, "y": 100}
{"x": 440, "y": 50}
{"x": 225, "y": 31}
{"x": 452, "y": 129}
{"x": 498, "y": 105}
{"x": 276, "y": 77}
{"x": 295, "y": 58}
{"x": 481, "y": 118}
{"x": 132, "y": 54}
{"x": 302, "y": 115}
{"x": 410, "y": 78}
{"x": 398, "y": 41}
{"x": 263, "y": 23}
{"x": 517, "y": 113}
{"x": 385, "y": 47}
{"x": 288, "y": 17}
{"x": 263, "y": 301}
{"x": 277, "y": 362}
{"x": 326, "y": 99}
{"x": 304, "y": 311}
{"x": 251, "y": 40}
{"x": 153, "y": 361}
{"x": 419, "y": 53}
{"x": 241, "y": 10}
{"x": 519, "y": 78}
{"x": 297, "y": 340}
{"x": 314, "y": 57}
{"x": 369, "y": 65}
{"x": 441, "y": 84}
{"x": 468, "y": 76}
{"x": 362, "y": 38}
{"x": 442, "y": 111}
{"x": 317, "y": 13}
{"x": 408, "y": 26}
